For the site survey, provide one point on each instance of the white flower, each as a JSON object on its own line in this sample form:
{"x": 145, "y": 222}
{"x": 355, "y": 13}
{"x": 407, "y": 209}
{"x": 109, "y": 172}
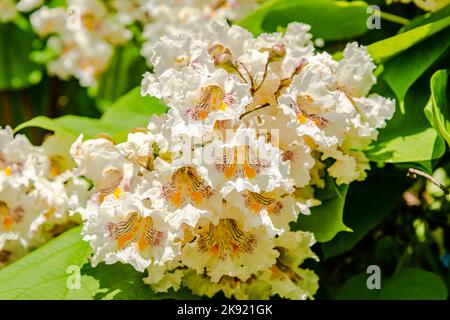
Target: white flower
{"x": 83, "y": 37}
{"x": 8, "y": 11}
{"x": 226, "y": 249}
{"x": 37, "y": 194}
{"x": 355, "y": 71}
{"x": 119, "y": 231}
{"x": 28, "y": 5}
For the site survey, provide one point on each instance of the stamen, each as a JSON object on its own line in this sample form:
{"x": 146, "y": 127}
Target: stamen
{"x": 211, "y": 99}
{"x": 135, "y": 229}
{"x": 257, "y": 202}
{"x": 186, "y": 187}
{"x": 226, "y": 240}
{"x": 244, "y": 164}
{"x": 303, "y": 115}
{"x": 7, "y": 171}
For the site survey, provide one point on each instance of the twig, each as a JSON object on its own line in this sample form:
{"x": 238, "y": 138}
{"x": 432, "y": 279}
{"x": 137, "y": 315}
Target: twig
{"x": 413, "y": 173}
{"x": 253, "y": 110}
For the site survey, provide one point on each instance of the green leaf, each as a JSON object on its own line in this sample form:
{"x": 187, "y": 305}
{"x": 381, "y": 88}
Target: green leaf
{"x": 390, "y": 47}
{"x": 427, "y": 18}
{"x": 408, "y": 136}
{"x": 414, "y": 284}
{"x": 122, "y": 75}
{"x": 356, "y": 289}
{"x": 440, "y": 114}
{"x": 130, "y": 111}
{"x": 67, "y": 126}
{"x": 325, "y": 220}
{"x": 123, "y": 282}
{"x": 42, "y": 274}
{"x": 367, "y": 204}
{"x": 329, "y": 20}
{"x": 408, "y": 284}
{"x": 403, "y": 70}
{"x": 89, "y": 288}
{"x": 17, "y": 70}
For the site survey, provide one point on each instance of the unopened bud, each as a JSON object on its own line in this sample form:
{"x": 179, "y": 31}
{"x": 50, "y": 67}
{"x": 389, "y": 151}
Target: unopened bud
{"x": 216, "y": 49}
{"x": 278, "y": 51}
{"x": 222, "y": 59}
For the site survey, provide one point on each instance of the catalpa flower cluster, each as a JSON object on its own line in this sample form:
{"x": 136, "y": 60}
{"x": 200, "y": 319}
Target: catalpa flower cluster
{"x": 162, "y": 17}
{"x": 82, "y": 36}
{"x": 37, "y": 195}
{"x": 204, "y": 197}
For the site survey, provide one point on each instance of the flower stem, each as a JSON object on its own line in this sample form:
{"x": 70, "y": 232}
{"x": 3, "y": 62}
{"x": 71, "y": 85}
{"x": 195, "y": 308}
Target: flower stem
{"x": 393, "y": 18}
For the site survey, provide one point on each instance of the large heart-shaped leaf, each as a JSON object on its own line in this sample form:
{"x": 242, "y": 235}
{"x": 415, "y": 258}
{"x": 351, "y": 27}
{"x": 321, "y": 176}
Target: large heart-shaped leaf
{"x": 45, "y": 272}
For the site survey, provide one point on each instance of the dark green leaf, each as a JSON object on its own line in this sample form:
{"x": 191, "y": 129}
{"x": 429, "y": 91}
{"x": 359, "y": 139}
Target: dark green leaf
{"x": 124, "y": 73}
{"x": 123, "y": 282}
{"x": 330, "y": 20}
{"x": 17, "y": 69}
{"x": 408, "y": 284}
{"x": 367, "y": 204}
{"x": 325, "y": 220}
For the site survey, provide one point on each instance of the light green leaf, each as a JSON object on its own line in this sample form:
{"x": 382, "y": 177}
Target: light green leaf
{"x": 408, "y": 284}
{"x": 17, "y": 70}
{"x": 130, "y": 111}
{"x": 67, "y": 125}
{"x": 42, "y": 274}
{"x": 89, "y": 288}
{"x": 440, "y": 114}
{"x": 330, "y": 20}
{"x": 407, "y": 146}
{"x": 390, "y": 47}
{"x": 325, "y": 220}
{"x": 367, "y": 204}
{"x": 408, "y": 136}
{"x": 403, "y": 70}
